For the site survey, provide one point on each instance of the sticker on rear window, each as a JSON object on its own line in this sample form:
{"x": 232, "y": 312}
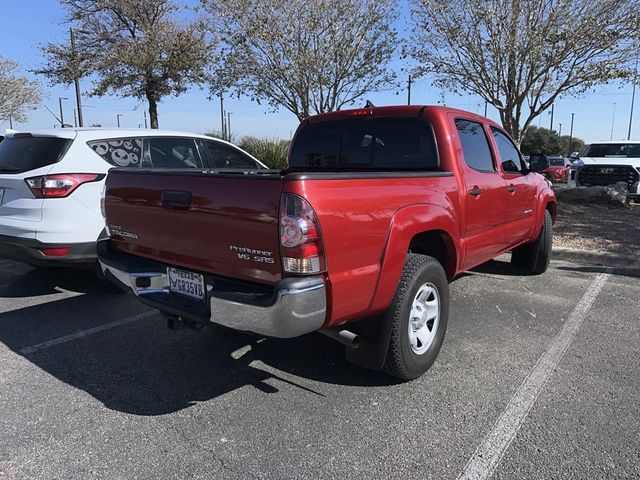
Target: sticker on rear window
{"x": 121, "y": 153}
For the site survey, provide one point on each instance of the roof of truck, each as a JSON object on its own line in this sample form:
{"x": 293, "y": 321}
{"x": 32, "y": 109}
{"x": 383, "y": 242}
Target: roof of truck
{"x": 395, "y": 111}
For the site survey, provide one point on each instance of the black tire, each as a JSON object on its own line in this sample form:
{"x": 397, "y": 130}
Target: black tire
{"x": 402, "y": 361}
{"x": 533, "y": 258}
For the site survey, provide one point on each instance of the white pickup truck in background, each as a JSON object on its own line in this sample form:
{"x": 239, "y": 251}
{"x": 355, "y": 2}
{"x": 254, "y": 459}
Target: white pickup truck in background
{"x": 606, "y": 163}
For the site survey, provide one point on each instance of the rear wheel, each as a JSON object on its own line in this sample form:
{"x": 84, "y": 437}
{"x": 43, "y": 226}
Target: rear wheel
{"x": 533, "y": 258}
{"x": 420, "y": 311}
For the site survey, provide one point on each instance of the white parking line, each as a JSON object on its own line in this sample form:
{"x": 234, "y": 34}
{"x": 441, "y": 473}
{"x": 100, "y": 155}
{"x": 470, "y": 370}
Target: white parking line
{"x": 487, "y": 456}
{"x": 86, "y": 333}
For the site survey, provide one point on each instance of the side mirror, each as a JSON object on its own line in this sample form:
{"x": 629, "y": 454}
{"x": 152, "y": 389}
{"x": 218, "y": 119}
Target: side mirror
{"x": 538, "y": 163}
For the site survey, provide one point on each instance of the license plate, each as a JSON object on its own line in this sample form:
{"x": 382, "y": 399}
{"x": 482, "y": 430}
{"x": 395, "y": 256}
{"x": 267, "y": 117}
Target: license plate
{"x": 1, "y": 195}
{"x": 186, "y": 283}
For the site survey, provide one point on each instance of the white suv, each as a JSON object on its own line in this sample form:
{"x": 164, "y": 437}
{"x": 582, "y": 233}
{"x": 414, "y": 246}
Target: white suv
{"x": 51, "y": 183}
{"x": 606, "y": 163}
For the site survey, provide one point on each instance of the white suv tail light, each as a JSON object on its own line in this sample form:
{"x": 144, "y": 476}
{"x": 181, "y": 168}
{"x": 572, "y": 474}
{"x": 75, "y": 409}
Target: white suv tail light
{"x": 300, "y": 237}
{"x": 60, "y": 185}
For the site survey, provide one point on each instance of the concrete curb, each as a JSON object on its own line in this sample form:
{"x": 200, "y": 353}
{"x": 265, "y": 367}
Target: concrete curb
{"x": 590, "y": 257}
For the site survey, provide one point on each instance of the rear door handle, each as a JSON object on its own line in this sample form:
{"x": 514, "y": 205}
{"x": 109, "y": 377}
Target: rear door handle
{"x": 511, "y": 189}
{"x": 475, "y": 191}
{"x": 173, "y": 199}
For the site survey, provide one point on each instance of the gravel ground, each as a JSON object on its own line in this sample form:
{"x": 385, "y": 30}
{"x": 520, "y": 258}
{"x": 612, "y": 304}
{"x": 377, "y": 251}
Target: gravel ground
{"x": 598, "y": 228}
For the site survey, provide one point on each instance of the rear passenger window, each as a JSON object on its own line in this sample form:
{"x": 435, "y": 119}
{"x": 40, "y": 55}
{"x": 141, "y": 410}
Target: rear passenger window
{"x": 509, "y": 155}
{"x": 120, "y": 152}
{"x": 316, "y": 146}
{"x": 475, "y": 146}
{"x": 224, "y": 156}
{"x": 366, "y": 144}
{"x": 173, "y": 152}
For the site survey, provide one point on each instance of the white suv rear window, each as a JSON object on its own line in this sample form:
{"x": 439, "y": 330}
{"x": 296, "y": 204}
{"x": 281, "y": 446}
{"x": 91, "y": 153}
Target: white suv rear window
{"x": 24, "y": 153}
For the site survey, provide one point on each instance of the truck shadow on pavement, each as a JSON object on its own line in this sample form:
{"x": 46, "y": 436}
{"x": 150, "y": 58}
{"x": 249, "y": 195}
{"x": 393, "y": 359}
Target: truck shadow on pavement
{"x": 143, "y": 368}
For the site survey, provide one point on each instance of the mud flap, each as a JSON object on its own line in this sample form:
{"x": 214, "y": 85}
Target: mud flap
{"x": 375, "y": 334}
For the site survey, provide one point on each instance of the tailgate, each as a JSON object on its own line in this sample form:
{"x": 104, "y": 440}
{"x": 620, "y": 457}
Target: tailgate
{"x": 216, "y": 223}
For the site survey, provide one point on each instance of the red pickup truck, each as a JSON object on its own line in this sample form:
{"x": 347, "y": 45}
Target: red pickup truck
{"x": 357, "y": 238}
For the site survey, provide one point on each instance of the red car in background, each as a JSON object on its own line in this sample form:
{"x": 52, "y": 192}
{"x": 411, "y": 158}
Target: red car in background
{"x": 558, "y": 170}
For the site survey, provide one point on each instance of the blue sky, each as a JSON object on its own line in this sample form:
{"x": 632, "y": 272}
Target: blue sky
{"x": 27, "y": 24}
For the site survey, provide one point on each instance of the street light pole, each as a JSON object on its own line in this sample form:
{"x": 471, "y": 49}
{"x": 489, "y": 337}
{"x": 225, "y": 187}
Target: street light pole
{"x": 145, "y": 119}
{"x": 409, "y": 91}
{"x": 560, "y": 132}
{"x": 61, "y": 112}
{"x": 551, "y": 125}
{"x": 571, "y": 134}
{"x": 76, "y": 80}
{"x": 223, "y": 131}
{"x": 118, "y": 119}
{"x": 633, "y": 95}
{"x": 75, "y": 117}
{"x": 229, "y": 125}
{"x": 613, "y": 119}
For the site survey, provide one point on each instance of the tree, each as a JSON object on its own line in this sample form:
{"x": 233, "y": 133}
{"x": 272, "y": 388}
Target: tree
{"x": 18, "y": 94}
{"x": 540, "y": 140}
{"x": 577, "y": 145}
{"x": 134, "y": 48}
{"x": 308, "y": 56}
{"x": 548, "y": 142}
{"x": 520, "y": 55}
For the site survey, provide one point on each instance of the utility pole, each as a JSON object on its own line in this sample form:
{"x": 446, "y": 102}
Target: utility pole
{"x": 10, "y": 123}
{"x": 76, "y": 80}
{"x": 633, "y": 95}
{"x": 409, "y": 91}
{"x": 75, "y": 117}
{"x": 551, "y": 125}
{"x": 229, "y": 126}
{"x": 613, "y": 119}
{"x": 145, "y": 119}
{"x": 118, "y": 118}
{"x": 61, "y": 112}
{"x": 223, "y": 131}
{"x": 571, "y": 134}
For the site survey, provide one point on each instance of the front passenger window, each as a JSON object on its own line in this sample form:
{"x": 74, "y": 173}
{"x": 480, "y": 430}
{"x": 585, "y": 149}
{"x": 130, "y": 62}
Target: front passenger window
{"x": 509, "y": 155}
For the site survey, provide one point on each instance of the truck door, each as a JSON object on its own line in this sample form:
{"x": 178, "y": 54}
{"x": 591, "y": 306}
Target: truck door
{"x": 485, "y": 194}
{"x": 521, "y": 190}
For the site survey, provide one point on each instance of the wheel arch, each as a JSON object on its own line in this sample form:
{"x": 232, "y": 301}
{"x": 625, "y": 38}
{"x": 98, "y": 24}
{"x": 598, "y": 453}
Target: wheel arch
{"x": 421, "y": 228}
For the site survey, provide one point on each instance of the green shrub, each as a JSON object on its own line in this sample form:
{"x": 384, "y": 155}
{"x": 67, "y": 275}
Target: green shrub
{"x": 271, "y": 152}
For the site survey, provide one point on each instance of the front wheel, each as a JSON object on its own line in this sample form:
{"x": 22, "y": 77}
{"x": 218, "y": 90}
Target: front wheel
{"x": 420, "y": 312}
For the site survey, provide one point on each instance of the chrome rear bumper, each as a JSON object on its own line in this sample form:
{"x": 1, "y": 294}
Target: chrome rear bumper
{"x": 296, "y": 307}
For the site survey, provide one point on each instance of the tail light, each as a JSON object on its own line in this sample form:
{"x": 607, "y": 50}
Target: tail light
{"x": 55, "y": 252}
{"x": 300, "y": 237}
{"x": 59, "y": 185}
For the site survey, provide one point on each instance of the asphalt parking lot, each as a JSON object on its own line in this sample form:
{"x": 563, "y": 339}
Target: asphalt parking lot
{"x": 538, "y": 378}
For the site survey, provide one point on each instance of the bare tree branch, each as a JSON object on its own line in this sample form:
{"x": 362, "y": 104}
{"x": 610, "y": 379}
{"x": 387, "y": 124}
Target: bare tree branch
{"x": 18, "y": 94}
{"x": 308, "y": 56}
{"x": 521, "y": 55}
